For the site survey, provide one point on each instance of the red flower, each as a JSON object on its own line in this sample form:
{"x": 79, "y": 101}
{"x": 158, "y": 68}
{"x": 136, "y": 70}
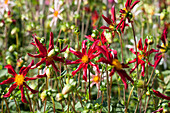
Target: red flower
{"x": 157, "y": 93}
{"x": 103, "y": 39}
{"x": 49, "y": 55}
{"x": 163, "y": 48}
{"x": 20, "y": 80}
{"x": 142, "y": 56}
{"x": 126, "y": 13}
{"x": 113, "y": 61}
{"x": 84, "y": 58}
{"x": 94, "y": 18}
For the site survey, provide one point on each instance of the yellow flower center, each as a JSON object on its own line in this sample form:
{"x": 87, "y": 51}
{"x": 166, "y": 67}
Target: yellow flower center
{"x": 85, "y": 59}
{"x": 125, "y": 13}
{"x": 117, "y": 64}
{"x": 19, "y": 79}
{"x": 111, "y": 27}
{"x": 141, "y": 56}
{"x": 49, "y": 59}
{"x": 96, "y": 79}
{"x": 56, "y": 13}
{"x": 100, "y": 43}
{"x": 6, "y": 1}
{"x": 165, "y": 48}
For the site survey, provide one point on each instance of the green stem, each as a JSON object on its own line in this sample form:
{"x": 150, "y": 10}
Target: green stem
{"x": 121, "y": 46}
{"x": 89, "y": 86}
{"x": 29, "y": 100}
{"x": 17, "y": 107}
{"x": 52, "y": 99}
{"x": 7, "y": 106}
{"x": 108, "y": 98}
{"x": 129, "y": 99}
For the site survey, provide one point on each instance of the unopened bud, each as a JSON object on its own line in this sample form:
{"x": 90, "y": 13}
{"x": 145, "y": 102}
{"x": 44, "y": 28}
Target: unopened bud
{"x": 12, "y": 48}
{"x": 67, "y": 88}
{"x": 140, "y": 83}
{"x": 51, "y": 53}
{"x": 148, "y": 93}
{"x": 59, "y": 97}
{"x": 43, "y": 95}
{"x": 162, "y": 16}
{"x": 150, "y": 41}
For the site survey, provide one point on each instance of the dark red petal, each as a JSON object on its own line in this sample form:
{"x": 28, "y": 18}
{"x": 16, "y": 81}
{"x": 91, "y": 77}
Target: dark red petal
{"x": 158, "y": 59}
{"x": 40, "y": 76}
{"x": 103, "y": 38}
{"x": 90, "y": 38}
{"x": 102, "y": 59}
{"x": 76, "y": 53}
{"x": 95, "y": 65}
{"x": 114, "y": 52}
{"x": 32, "y": 78}
{"x": 151, "y": 51}
{"x": 80, "y": 66}
{"x": 54, "y": 66}
{"x": 23, "y": 99}
{"x": 10, "y": 70}
{"x": 164, "y": 35}
{"x": 39, "y": 63}
{"x": 123, "y": 78}
{"x": 126, "y": 75}
{"x": 32, "y": 91}
{"x": 157, "y": 93}
{"x": 85, "y": 72}
{"x": 133, "y": 68}
{"x": 132, "y": 61}
{"x": 140, "y": 45}
{"x": 119, "y": 24}
{"x": 113, "y": 14}
{"x": 112, "y": 72}
{"x": 107, "y": 19}
{"x": 25, "y": 71}
{"x": 123, "y": 26}
{"x": 10, "y": 90}
{"x": 135, "y": 2}
{"x": 146, "y": 45}
{"x": 37, "y": 56}
{"x": 73, "y": 62}
{"x": 157, "y": 55}
{"x": 125, "y": 65}
{"x": 143, "y": 68}
{"x": 60, "y": 59}
{"x": 51, "y": 43}
{"x": 104, "y": 27}
{"x": 84, "y": 47}
{"x": 159, "y": 110}
{"x": 23, "y": 68}
{"x": 64, "y": 49}
{"x": 42, "y": 49}
{"x": 134, "y": 52}
{"x": 9, "y": 80}
{"x": 95, "y": 55}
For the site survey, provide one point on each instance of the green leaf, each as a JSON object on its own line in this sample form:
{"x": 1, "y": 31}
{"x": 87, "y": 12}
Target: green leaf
{"x": 58, "y": 105}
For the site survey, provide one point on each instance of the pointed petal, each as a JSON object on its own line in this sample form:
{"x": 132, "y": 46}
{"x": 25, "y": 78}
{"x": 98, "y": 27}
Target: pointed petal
{"x": 133, "y": 68}
{"x": 135, "y": 2}
{"x": 40, "y": 46}
{"x": 112, "y": 72}
{"x": 54, "y": 66}
{"x": 157, "y": 93}
{"x": 8, "y": 81}
{"x": 102, "y": 59}
{"x": 60, "y": 59}
{"x": 132, "y": 61}
{"x": 143, "y": 68}
{"x": 80, "y": 66}
{"x": 73, "y": 62}
{"x": 64, "y": 49}
{"x": 107, "y": 19}
{"x": 10, "y": 90}
{"x": 90, "y": 38}
{"x": 23, "y": 99}
{"x": 113, "y": 14}
{"x": 140, "y": 45}
{"x": 122, "y": 78}
{"x": 134, "y": 52}
{"x": 36, "y": 56}
{"x": 159, "y": 110}
{"x": 95, "y": 55}
{"x": 103, "y": 38}
{"x": 10, "y": 70}
{"x": 104, "y": 27}
{"x": 40, "y": 76}
{"x": 39, "y": 63}
{"x": 127, "y": 3}
{"x": 126, "y": 75}
{"x": 32, "y": 78}
{"x": 76, "y": 53}
{"x": 151, "y": 51}
{"x": 32, "y": 91}
{"x": 119, "y": 24}
{"x": 85, "y": 72}
{"x": 158, "y": 59}
{"x": 146, "y": 45}
{"x": 51, "y": 43}
{"x": 25, "y": 71}
{"x": 164, "y": 35}
{"x": 84, "y": 47}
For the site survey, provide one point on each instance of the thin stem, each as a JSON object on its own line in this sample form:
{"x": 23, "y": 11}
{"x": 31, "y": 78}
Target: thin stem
{"x": 129, "y": 99}
{"x": 121, "y": 46}
{"x": 150, "y": 77}
{"x": 46, "y": 89}
{"x": 7, "y": 105}
{"x": 89, "y": 86}
{"x": 108, "y": 98}
{"x": 29, "y": 100}
{"x": 17, "y": 107}
{"x": 2, "y": 106}
{"x": 53, "y": 103}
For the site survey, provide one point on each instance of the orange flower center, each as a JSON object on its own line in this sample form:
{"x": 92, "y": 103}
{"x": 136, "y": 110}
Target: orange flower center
{"x": 19, "y": 79}
{"x": 49, "y": 59}
{"x": 111, "y": 27}
{"x": 117, "y": 64}
{"x": 6, "y": 1}
{"x": 100, "y": 43}
{"x": 56, "y": 13}
{"x": 165, "y": 48}
{"x": 141, "y": 56}
{"x": 96, "y": 79}
{"x": 85, "y": 59}
{"x": 125, "y": 13}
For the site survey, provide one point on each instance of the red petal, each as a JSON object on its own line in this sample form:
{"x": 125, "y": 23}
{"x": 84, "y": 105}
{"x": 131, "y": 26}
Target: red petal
{"x": 84, "y": 47}
{"x": 23, "y": 99}
{"x": 80, "y": 66}
{"x": 85, "y": 72}
{"x": 32, "y": 78}
{"x": 164, "y": 35}
{"x": 134, "y": 4}
{"x": 90, "y": 38}
{"x": 133, "y": 68}
{"x": 51, "y": 43}
{"x": 132, "y": 50}
{"x": 10, "y": 70}
{"x": 40, "y": 46}
{"x": 159, "y": 110}
{"x": 55, "y": 67}
{"x": 60, "y": 59}
{"x": 143, "y": 68}
{"x": 40, "y": 76}
{"x": 157, "y": 93}
{"x": 123, "y": 78}
{"x": 140, "y": 45}
{"x": 63, "y": 50}
{"x": 146, "y": 44}
{"x": 113, "y": 14}
{"x": 102, "y": 59}
{"x": 103, "y": 38}
{"x": 20, "y": 71}
{"x": 25, "y": 71}
{"x": 9, "y": 80}
{"x": 10, "y": 90}
{"x": 151, "y": 51}
{"x": 37, "y": 56}
{"x": 39, "y": 63}
{"x": 104, "y": 27}
{"x": 73, "y": 62}
{"x": 112, "y": 72}
{"x": 123, "y": 26}
{"x": 107, "y": 19}
{"x": 126, "y": 75}
{"x": 32, "y": 91}
{"x": 158, "y": 59}
{"x": 119, "y": 24}
{"x": 76, "y": 53}
{"x": 128, "y": 3}
{"x": 132, "y": 61}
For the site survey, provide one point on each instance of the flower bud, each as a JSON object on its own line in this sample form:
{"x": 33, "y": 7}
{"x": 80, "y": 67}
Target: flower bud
{"x": 59, "y": 97}
{"x": 12, "y": 48}
{"x": 14, "y": 30}
{"x": 140, "y": 83}
{"x": 162, "y": 16}
{"x": 51, "y": 53}
{"x": 43, "y": 95}
{"x": 67, "y": 88}
{"x": 48, "y": 72}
